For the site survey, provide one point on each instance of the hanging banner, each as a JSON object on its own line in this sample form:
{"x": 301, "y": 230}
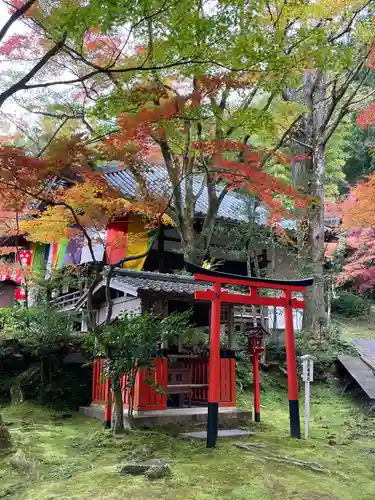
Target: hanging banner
{"x": 74, "y": 250}
{"x": 61, "y": 253}
{"x": 139, "y": 240}
{"x": 20, "y": 294}
{"x": 129, "y": 237}
{"x": 126, "y": 238}
{"x": 117, "y": 241}
{"x": 39, "y": 257}
{"x": 24, "y": 258}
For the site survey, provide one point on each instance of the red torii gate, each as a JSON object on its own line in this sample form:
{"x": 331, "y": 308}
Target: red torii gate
{"x": 216, "y": 295}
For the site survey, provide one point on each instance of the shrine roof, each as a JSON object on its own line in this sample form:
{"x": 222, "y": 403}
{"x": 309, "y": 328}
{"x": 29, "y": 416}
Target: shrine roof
{"x": 234, "y": 207}
{"x": 158, "y": 282}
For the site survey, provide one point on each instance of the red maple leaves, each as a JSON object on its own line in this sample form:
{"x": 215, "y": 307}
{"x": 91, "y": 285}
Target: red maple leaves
{"x": 358, "y": 211}
{"x": 359, "y": 267}
{"x": 366, "y": 116}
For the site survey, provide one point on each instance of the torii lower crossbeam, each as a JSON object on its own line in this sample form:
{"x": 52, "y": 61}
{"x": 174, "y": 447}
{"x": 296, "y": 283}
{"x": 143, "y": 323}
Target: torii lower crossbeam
{"x": 216, "y": 296}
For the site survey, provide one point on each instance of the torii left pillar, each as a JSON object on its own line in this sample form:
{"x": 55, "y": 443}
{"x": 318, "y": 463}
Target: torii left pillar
{"x": 214, "y": 370}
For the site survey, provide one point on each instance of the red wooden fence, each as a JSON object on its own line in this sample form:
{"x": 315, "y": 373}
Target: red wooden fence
{"x": 228, "y": 382}
{"x": 148, "y": 398}
{"x": 199, "y": 375}
{"x": 98, "y": 382}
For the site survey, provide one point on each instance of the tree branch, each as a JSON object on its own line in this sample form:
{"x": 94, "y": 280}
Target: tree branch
{"x": 283, "y": 138}
{"x": 53, "y": 136}
{"x": 344, "y": 110}
{"x": 367, "y": 96}
{"x": 349, "y": 24}
{"x": 22, "y": 84}
{"x": 15, "y": 16}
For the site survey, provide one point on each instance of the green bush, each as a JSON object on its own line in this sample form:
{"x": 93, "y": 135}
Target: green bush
{"x": 35, "y": 347}
{"x": 325, "y": 351}
{"x": 351, "y": 305}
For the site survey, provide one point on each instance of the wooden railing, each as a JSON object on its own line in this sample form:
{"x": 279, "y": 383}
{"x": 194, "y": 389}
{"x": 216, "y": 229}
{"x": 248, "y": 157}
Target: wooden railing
{"x": 67, "y": 301}
{"x": 148, "y": 398}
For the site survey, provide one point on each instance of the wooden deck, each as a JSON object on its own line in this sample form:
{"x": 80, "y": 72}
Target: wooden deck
{"x": 361, "y": 372}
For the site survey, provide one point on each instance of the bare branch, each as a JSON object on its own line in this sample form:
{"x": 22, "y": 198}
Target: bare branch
{"x": 336, "y": 96}
{"x": 283, "y": 139}
{"x": 344, "y": 110}
{"x": 52, "y": 138}
{"x": 363, "y": 99}
{"x": 20, "y": 128}
{"x": 15, "y": 16}
{"x": 22, "y": 84}
{"x": 349, "y": 24}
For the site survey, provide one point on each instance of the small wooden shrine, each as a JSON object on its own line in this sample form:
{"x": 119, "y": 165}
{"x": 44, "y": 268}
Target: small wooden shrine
{"x": 202, "y": 379}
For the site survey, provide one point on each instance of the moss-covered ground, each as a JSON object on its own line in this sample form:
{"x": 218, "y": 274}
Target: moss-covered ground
{"x": 73, "y": 458}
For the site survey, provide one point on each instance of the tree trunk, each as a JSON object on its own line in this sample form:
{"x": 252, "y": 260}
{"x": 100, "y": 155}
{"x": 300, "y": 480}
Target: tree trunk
{"x": 273, "y": 272}
{"x": 329, "y": 302}
{"x": 119, "y": 426}
{"x": 308, "y": 176}
{"x": 131, "y": 403}
{"x": 314, "y": 317}
{"x": 193, "y": 255}
{"x": 16, "y": 393}
{"x": 5, "y": 437}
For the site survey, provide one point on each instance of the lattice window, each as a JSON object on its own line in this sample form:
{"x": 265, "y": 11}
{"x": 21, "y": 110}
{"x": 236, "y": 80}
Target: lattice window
{"x": 224, "y": 313}
{"x": 156, "y": 306}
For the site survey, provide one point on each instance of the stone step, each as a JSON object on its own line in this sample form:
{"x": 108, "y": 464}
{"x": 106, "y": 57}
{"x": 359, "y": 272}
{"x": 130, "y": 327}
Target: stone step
{"x": 228, "y": 433}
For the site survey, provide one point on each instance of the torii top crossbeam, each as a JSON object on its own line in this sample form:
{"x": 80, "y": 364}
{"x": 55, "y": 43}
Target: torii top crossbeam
{"x": 216, "y": 295}
{"x": 253, "y": 298}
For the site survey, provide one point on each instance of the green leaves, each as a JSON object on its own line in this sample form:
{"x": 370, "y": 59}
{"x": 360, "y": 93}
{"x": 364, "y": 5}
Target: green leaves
{"x": 131, "y": 341}
{"x": 42, "y": 329}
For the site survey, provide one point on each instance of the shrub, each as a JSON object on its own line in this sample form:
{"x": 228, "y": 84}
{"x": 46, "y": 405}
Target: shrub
{"x": 325, "y": 351}
{"x": 351, "y": 305}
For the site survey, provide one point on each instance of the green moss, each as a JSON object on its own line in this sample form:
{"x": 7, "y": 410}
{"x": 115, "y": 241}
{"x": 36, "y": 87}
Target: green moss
{"x": 75, "y": 459}
{"x": 356, "y": 328}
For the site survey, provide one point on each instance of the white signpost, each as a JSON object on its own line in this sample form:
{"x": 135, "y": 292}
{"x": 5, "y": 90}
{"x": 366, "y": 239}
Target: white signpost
{"x": 307, "y": 377}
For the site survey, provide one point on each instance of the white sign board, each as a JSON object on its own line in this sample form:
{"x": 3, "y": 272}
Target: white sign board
{"x": 307, "y": 377}
{"x": 307, "y": 368}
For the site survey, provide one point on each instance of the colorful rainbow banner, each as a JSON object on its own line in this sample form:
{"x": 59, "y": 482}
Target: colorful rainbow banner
{"x": 127, "y": 238}
{"x": 74, "y": 250}
{"x": 39, "y": 257}
{"x": 56, "y": 255}
{"x": 122, "y": 239}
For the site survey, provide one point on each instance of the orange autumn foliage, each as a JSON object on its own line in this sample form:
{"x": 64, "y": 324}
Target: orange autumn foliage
{"x": 358, "y": 212}
{"x": 48, "y": 211}
{"x": 359, "y": 208}
{"x": 84, "y": 207}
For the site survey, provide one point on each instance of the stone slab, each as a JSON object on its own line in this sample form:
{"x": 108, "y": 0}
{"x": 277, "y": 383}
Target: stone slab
{"x": 224, "y": 433}
{"x": 228, "y": 416}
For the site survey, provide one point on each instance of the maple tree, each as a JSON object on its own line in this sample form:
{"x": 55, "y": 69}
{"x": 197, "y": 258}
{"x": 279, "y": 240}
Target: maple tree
{"x": 359, "y": 266}
{"x": 54, "y": 199}
{"x": 187, "y": 137}
{"x": 48, "y": 210}
{"x": 311, "y": 90}
{"x": 108, "y": 53}
{"x": 358, "y": 220}
{"x": 102, "y": 50}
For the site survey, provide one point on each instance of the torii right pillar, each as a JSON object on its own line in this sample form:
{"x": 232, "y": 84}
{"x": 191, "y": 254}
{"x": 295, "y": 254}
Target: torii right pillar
{"x": 291, "y": 363}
